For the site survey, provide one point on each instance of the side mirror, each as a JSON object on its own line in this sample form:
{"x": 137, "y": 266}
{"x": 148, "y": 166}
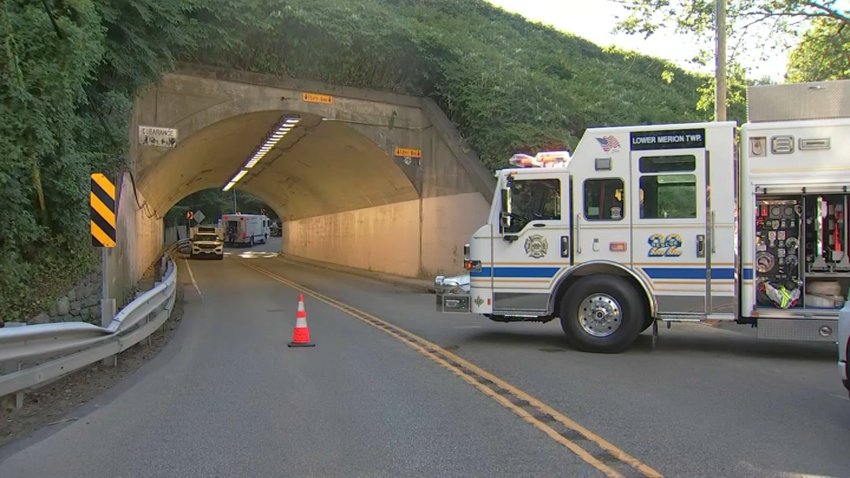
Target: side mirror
{"x": 505, "y": 215}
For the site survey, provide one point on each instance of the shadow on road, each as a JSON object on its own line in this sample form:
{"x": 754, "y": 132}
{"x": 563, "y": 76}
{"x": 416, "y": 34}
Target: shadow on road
{"x": 672, "y": 345}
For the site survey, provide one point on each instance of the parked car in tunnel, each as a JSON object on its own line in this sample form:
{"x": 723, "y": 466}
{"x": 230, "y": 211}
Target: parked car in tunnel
{"x": 207, "y": 245}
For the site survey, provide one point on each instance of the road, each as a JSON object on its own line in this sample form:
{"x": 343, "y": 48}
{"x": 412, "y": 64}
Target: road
{"x": 395, "y": 389}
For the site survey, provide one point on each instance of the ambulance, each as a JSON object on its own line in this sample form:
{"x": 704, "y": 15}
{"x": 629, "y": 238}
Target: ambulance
{"x": 245, "y": 229}
{"x": 679, "y": 222}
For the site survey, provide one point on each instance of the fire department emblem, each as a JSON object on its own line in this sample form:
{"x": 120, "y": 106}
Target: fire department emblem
{"x": 536, "y": 246}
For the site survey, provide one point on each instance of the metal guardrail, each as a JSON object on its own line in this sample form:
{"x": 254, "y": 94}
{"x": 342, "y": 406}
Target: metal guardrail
{"x": 34, "y": 355}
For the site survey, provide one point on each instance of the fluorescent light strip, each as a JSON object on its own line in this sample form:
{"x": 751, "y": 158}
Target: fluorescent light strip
{"x": 239, "y": 175}
{"x": 268, "y": 145}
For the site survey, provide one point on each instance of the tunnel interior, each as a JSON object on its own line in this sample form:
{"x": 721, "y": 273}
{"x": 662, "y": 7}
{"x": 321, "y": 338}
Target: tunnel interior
{"x": 321, "y": 167}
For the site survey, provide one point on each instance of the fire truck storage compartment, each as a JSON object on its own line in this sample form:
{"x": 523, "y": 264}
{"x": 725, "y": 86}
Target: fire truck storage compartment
{"x": 801, "y": 251}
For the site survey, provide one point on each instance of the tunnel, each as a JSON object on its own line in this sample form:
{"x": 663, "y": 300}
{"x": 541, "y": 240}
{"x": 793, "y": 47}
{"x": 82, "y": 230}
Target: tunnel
{"x": 366, "y": 179}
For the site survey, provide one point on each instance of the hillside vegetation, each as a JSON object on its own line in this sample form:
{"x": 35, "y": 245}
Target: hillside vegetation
{"x": 70, "y": 69}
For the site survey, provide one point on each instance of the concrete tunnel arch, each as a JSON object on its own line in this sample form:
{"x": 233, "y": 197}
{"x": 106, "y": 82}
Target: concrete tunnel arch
{"x": 337, "y": 181}
{"x": 313, "y": 171}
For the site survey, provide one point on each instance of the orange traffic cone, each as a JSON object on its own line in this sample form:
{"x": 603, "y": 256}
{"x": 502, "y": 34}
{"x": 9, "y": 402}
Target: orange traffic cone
{"x": 301, "y": 334}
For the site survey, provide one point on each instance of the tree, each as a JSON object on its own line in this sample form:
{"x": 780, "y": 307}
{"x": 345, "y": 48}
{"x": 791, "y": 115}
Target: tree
{"x": 768, "y": 24}
{"x": 824, "y": 53}
{"x": 757, "y": 29}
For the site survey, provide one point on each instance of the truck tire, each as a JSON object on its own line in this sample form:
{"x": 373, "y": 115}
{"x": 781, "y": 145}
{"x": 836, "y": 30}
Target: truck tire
{"x": 602, "y": 313}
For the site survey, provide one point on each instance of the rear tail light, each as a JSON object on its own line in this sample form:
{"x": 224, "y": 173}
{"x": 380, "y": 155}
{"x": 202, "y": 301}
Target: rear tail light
{"x": 472, "y": 266}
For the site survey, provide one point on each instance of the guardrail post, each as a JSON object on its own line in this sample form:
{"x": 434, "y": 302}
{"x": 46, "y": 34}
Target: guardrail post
{"x": 107, "y": 313}
{"x": 10, "y": 401}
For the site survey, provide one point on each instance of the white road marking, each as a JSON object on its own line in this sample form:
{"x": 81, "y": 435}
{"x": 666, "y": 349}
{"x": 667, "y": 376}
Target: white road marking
{"x": 192, "y": 276}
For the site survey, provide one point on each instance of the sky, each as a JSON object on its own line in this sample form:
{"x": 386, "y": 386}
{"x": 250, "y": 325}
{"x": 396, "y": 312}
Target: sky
{"x": 595, "y": 19}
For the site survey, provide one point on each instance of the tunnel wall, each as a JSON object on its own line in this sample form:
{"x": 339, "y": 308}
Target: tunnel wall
{"x": 420, "y": 238}
{"x": 138, "y": 245}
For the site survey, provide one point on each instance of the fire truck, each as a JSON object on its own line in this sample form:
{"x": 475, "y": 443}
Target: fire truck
{"x": 678, "y": 222}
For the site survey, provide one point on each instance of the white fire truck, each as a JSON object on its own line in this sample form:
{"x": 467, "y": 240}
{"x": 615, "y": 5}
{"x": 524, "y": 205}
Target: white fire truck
{"x": 684, "y": 222}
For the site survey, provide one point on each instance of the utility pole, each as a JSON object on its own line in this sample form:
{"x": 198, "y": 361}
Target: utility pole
{"x": 720, "y": 61}
{"x": 234, "y": 201}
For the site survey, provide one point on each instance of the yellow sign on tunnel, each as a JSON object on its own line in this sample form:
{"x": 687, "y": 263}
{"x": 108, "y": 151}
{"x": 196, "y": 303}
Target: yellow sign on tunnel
{"x": 318, "y": 98}
{"x": 408, "y": 152}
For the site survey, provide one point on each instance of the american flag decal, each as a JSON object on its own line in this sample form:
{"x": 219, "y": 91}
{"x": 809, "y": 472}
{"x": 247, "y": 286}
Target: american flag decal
{"x": 609, "y": 143}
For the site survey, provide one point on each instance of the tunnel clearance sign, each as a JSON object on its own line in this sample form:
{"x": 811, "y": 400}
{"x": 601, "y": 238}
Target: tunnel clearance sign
{"x": 408, "y": 152}
{"x": 669, "y": 139}
{"x": 102, "y": 208}
{"x": 318, "y": 98}
{"x": 156, "y": 136}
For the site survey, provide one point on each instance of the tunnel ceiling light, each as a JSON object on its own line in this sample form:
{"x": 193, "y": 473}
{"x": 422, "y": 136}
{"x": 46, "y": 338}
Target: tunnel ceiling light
{"x": 281, "y": 129}
{"x": 239, "y": 175}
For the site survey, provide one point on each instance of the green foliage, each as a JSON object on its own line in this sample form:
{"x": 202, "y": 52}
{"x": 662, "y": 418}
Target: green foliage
{"x": 824, "y": 53}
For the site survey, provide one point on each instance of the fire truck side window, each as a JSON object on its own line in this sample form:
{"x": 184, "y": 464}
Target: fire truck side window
{"x": 666, "y": 192}
{"x": 604, "y": 199}
{"x": 534, "y": 200}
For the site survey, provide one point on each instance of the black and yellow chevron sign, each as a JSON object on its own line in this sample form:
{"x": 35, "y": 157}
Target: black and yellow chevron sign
{"x": 102, "y": 201}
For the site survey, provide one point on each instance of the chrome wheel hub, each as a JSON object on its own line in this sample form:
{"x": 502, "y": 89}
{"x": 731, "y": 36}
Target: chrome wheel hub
{"x": 600, "y": 315}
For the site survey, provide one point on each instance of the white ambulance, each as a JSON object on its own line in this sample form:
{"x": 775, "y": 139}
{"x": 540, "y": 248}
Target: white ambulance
{"x": 684, "y": 222}
{"x": 245, "y": 229}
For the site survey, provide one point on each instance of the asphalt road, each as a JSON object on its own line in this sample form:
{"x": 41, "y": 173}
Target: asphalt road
{"x": 228, "y": 398}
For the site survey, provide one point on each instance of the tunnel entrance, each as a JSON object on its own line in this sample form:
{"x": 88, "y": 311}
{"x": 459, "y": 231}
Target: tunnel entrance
{"x": 208, "y": 207}
{"x": 364, "y": 179}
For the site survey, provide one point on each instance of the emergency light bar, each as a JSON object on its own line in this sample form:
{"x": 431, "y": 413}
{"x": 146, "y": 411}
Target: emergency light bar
{"x": 284, "y": 126}
{"x": 545, "y": 159}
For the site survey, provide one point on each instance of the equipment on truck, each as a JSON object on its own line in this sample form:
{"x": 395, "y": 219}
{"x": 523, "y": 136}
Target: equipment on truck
{"x": 675, "y": 223}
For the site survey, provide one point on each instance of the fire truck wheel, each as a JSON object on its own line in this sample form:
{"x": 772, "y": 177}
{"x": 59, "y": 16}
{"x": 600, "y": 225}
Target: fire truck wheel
{"x": 602, "y": 313}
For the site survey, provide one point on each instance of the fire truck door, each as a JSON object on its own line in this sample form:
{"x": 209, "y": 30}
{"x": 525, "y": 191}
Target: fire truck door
{"x": 533, "y": 244}
{"x": 670, "y": 207}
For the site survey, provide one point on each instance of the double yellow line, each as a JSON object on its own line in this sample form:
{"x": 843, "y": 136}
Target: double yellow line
{"x": 595, "y": 450}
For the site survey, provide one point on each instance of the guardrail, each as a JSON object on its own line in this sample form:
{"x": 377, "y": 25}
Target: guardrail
{"x": 35, "y": 355}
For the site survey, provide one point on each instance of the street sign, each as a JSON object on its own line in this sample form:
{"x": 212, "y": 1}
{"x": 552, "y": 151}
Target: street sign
{"x": 156, "y": 136}
{"x": 318, "y": 98}
{"x": 190, "y": 215}
{"x": 102, "y": 211}
{"x": 199, "y": 216}
{"x": 408, "y": 152}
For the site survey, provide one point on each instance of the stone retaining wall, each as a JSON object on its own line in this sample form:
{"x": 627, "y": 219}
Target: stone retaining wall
{"x": 80, "y": 304}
